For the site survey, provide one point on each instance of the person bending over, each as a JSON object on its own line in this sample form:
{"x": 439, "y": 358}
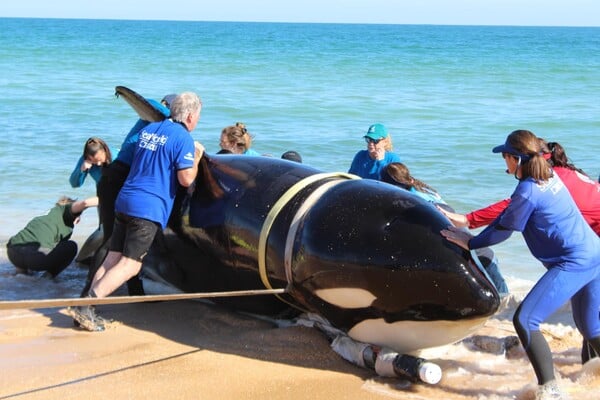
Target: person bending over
{"x": 45, "y": 243}
{"x": 542, "y": 209}
{"x": 166, "y": 156}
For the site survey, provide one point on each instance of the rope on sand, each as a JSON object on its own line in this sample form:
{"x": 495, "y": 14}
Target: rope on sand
{"x": 86, "y": 301}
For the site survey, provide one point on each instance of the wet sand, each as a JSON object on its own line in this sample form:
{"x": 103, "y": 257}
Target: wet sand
{"x": 192, "y": 350}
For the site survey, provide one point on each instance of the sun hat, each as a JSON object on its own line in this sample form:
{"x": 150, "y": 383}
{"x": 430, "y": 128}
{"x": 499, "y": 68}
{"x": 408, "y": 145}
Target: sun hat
{"x": 377, "y": 132}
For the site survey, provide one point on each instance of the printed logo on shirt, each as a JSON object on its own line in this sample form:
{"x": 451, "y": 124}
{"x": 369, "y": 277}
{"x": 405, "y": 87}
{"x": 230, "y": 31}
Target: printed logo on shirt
{"x": 553, "y": 184}
{"x": 151, "y": 141}
{"x": 189, "y": 157}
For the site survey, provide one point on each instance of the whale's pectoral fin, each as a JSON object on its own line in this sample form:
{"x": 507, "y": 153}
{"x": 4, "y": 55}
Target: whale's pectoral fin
{"x": 142, "y": 107}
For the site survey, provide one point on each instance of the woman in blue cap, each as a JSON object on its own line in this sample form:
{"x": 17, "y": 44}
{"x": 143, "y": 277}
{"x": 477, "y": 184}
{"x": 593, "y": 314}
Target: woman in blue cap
{"x": 557, "y": 235}
{"x": 369, "y": 163}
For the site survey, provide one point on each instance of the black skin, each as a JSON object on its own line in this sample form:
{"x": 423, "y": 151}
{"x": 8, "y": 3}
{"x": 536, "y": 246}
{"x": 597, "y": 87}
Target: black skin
{"x": 362, "y": 234}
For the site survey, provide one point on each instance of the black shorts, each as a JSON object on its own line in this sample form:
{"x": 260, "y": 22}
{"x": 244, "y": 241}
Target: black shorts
{"x": 133, "y": 236}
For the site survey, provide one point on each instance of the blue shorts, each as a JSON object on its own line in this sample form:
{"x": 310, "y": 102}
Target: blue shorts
{"x": 132, "y": 236}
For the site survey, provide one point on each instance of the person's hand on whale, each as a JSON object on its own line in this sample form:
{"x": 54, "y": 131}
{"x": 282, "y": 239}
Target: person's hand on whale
{"x": 458, "y": 236}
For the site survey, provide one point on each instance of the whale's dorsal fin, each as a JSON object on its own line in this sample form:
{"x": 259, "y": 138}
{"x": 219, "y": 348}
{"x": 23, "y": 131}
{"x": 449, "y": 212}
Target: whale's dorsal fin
{"x": 142, "y": 107}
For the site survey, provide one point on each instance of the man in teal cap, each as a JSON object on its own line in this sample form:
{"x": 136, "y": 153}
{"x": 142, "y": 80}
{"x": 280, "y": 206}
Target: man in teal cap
{"x": 369, "y": 163}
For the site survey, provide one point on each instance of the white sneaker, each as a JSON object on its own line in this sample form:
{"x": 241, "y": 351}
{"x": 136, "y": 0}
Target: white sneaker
{"x": 549, "y": 391}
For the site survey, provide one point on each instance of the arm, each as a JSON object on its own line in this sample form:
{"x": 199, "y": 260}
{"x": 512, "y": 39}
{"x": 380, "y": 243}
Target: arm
{"x": 490, "y": 236}
{"x": 186, "y": 176}
{"x": 458, "y": 220}
{"x": 484, "y": 216}
{"x": 514, "y": 218}
{"x": 493, "y": 234}
{"x": 79, "y": 173}
{"x": 475, "y": 219}
{"x": 80, "y": 205}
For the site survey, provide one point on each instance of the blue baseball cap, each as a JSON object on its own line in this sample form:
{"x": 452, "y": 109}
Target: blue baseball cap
{"x": 377, "y": 132}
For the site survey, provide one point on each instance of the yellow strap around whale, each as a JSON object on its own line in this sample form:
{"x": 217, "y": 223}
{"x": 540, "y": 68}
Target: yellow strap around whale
{"x": 277, "y": 207}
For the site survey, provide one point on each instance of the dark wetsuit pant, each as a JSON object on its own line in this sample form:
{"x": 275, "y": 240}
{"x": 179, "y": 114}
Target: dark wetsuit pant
{"x": 111, "y": 182}
{"x": 555, "y": 288}
{"x": 32, "y": 257}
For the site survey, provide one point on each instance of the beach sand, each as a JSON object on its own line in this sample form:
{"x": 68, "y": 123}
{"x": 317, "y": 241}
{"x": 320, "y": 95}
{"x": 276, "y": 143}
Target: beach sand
{"x": 194, "y": 350}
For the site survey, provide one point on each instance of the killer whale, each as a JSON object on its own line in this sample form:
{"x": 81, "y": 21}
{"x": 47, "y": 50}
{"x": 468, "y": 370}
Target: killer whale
{"x": 364, "y": 255}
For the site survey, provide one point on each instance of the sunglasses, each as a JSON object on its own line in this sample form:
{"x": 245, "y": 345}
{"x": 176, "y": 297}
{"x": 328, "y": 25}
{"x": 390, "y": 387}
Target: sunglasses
{"x": 374, "y": 141}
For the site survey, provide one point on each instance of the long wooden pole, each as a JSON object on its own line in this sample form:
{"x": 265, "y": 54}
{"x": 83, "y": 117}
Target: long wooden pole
{"x": 85, "y": 301}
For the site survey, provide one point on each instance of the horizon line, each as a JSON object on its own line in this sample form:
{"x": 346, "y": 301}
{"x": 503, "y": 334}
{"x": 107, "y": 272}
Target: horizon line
{"x": 303, "y": 22}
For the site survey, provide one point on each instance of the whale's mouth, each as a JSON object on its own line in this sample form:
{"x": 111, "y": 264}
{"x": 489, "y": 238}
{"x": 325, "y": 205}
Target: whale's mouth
{"x": 478, "y": 261}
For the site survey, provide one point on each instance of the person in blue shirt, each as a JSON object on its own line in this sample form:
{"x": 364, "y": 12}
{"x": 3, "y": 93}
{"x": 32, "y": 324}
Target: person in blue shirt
{"x": 558, "y": 236}
{"x": 112, "y": 179}
{"x": 237, "y": 140}
{"x": 369, "y": 163}
{"x": 96, "y": 158}
{"x": 96, "y": 155}
{"x": 166, "y": 156}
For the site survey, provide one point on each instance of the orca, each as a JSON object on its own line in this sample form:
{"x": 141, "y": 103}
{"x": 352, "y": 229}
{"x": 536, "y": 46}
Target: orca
{"x": 364, "y": 255}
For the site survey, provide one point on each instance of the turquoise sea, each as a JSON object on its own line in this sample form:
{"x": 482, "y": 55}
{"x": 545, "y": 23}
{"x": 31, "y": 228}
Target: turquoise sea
{"x": 448, "y": 94}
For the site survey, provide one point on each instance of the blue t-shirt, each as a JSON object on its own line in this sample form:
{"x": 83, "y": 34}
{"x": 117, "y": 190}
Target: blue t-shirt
{"x": 552, "y": 225}
{"x": 251, "y": 152}
{"x": 129, "y": 143}
{"x": 163, "y": 149}
{"x": 365, "y": 167}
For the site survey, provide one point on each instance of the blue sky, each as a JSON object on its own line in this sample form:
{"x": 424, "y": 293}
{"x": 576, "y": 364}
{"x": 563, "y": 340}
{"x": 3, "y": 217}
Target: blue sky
{"x": 453, "y": 12}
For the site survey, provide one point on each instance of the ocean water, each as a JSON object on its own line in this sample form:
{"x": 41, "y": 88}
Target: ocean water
{"x": 448, "y": 94}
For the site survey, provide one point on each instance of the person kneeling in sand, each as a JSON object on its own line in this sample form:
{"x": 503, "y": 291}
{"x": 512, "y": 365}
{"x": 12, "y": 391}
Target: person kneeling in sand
{"x": 44, "y": 244}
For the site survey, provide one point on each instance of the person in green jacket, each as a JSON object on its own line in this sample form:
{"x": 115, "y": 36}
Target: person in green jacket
{"x": 44, "y": 244}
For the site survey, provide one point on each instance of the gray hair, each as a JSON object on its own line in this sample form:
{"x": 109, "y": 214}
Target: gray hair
{"x": 185, "y": 103}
